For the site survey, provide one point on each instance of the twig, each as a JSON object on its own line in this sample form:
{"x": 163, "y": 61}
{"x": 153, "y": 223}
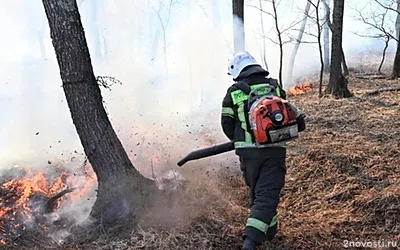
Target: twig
{"x": 51, "y": 202}
{"x": 107, "y": 81}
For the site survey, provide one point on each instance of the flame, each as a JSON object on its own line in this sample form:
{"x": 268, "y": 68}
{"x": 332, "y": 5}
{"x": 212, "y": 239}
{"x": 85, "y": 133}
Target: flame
{"x": 23, "y": 197}
{"x": 299, "y": 89}
{"x": 16, "y": 207}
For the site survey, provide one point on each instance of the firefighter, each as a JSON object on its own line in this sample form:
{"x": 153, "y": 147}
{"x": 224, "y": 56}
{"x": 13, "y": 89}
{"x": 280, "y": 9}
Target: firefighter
{"x": 263, "y": 169}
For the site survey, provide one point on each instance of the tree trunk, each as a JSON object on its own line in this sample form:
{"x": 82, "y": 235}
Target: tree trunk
{"x": 396, "y": 64}
{"x": 326, "y": 36}
{"x": 320, "y": 48}
{"x": 279, "y": 33}
{"x": 122, "y": 191}
{"x": 298, "y": 42}
{"x": 337, "y": 82}
{"x": 238, "y": 25}
{"x": 344, "y": 64}
{"x": 387, "y": 40}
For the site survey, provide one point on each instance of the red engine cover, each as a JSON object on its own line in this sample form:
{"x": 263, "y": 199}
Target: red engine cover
{"x": 260, "y": 116}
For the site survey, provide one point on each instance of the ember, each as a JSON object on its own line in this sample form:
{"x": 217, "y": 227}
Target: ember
{"x": 300, "y": 89}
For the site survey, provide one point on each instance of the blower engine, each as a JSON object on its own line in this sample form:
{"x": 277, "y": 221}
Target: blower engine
{"x": 272, "y": 120}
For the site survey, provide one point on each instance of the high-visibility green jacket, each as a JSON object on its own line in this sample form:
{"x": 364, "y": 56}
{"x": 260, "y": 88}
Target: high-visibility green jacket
{"x": 234, "y": 117}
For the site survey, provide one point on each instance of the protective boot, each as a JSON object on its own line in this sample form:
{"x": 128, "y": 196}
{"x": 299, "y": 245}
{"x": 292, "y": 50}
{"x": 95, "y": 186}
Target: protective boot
{"x": 270, "y": 235}
{"x": 249, "y": 244}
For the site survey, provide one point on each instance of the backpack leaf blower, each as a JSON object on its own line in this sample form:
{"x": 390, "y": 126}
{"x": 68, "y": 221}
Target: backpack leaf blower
{"x": 272, "y": 120}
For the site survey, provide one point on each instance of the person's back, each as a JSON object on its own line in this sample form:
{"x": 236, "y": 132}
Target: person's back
{"x": 234, "y": 128}
{"x": 263, "y": 168}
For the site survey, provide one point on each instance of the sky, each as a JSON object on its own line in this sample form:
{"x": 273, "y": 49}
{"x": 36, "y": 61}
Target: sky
{"x": 171, "y": 60}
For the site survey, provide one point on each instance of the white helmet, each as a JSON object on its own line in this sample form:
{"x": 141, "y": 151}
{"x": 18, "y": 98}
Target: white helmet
{"x": 240, "y": 61}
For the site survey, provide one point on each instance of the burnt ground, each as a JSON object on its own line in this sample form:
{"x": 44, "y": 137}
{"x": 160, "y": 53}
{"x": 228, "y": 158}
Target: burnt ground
{"x": 343, "y": 183}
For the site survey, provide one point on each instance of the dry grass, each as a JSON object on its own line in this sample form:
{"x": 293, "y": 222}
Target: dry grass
{"x": 343, "y": 183}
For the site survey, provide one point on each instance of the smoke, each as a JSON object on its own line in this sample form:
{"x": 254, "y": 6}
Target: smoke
{"x": 171, "y": 61}
{"x": 170, "y": 58}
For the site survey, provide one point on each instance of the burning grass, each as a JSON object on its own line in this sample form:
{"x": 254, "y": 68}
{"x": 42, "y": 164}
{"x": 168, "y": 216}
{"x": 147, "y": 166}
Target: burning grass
{"x": 343, "y": 183}
{"x": 33, "y": 201}
{"x": 300, "y": 89}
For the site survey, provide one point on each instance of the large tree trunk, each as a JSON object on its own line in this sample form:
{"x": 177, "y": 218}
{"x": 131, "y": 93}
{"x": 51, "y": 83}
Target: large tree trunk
{"x": 337, "y": 82}
{"x": 396, "y": 64}
{"x": 298, "y": 42}
{"x": 326, "y": 36}
{"x": 122, "y": 191}
{"x": 238, "y": 25}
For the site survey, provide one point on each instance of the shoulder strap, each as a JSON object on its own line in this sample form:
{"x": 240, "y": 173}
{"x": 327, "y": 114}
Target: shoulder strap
{"x": 274, "y": 82}
{"x": 243, "y": 86}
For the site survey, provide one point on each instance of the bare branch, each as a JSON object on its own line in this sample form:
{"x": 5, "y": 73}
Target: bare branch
{"x": 387, "y": 7}
{"x": 375, "y": 19}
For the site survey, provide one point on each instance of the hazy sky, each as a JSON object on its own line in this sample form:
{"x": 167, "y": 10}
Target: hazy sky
{"x": 22, "y": 20}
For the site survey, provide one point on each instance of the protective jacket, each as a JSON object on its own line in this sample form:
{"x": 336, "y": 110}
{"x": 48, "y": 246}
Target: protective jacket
{"x": 234, "y": 120}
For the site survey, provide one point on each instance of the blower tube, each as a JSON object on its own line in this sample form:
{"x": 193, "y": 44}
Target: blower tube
{"x": 206, "y": 152}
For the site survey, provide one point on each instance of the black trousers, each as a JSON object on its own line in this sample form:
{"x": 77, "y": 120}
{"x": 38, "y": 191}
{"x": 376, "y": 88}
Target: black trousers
{"x": 265, "y": 178}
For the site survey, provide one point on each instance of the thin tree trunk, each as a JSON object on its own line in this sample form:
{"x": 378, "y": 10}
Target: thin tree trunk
{"x": 321, "y": 56}
{"x": 238, "y": 25}
{"x": 337, "y": 82}
{"x": 280, "y": 42}
{"x": 326, "y": 35}
{"x": 298, "y": 42}
{"x": 122, "y": 191}
{"x": 387, "y": 40}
